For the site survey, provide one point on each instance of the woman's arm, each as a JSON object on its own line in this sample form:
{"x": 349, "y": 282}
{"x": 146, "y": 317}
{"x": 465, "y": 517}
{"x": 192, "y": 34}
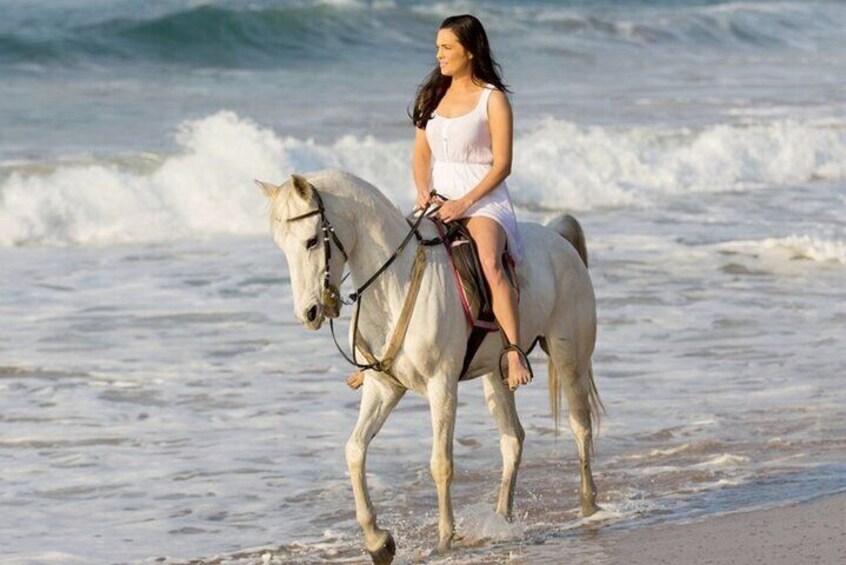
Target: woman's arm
{"x": 421, "y": 165}
{"x": 501, "y": 124}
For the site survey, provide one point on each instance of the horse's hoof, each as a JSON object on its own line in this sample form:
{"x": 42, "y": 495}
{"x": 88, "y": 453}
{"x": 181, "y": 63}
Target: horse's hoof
{"x": 445, "y": 546}
{"x": 384, "y": 555}
{"x": 589, "y": 508}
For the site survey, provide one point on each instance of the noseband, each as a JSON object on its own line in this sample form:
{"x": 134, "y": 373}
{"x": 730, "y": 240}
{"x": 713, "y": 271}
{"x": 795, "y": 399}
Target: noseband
{"x": 331, "y": 296}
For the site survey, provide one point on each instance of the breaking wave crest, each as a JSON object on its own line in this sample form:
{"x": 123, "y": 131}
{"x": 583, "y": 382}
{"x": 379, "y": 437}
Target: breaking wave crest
{"x": 563, "y": 165}
{"x": 206, "y": 188}
{"x": 795, "y": 247}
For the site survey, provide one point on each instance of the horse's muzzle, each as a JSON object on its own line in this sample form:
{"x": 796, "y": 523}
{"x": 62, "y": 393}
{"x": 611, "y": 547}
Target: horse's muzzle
{"x": 311, "y": 314}
{"x": 313, "y": 317}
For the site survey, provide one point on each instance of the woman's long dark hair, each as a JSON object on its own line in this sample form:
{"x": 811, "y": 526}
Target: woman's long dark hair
{"x": 471, "y": 35}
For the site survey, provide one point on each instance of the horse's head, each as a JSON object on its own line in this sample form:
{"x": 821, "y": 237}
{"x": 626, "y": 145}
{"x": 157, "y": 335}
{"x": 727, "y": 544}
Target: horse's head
{"x": 303, "y": 230}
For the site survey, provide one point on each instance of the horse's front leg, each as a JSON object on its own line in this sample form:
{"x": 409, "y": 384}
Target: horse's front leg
{"x": 377, "y": 401}
{"x": 442, "y": 392}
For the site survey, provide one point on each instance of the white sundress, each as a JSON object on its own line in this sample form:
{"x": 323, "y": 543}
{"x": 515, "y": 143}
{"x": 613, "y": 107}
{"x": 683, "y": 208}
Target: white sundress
{"x": 462, "y": 156}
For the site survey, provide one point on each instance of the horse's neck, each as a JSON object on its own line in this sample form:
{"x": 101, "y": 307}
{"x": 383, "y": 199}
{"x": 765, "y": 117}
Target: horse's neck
{"x": 378, "y": 237}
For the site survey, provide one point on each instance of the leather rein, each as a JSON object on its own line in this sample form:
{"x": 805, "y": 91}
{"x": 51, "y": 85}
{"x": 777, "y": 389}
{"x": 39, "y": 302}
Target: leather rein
{"x": 331, "y": 295}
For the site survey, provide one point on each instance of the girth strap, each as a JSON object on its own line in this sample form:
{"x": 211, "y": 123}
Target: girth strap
{"x": 385, "y": 365}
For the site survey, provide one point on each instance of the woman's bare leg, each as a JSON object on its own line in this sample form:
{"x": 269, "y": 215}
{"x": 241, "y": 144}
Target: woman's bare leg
{"x": 490, "y": 241}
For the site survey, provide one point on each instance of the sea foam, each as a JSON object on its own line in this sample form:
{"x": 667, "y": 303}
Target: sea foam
{"x": 563, "y": 165}
{"x": 205, "y": 188}
{"x": 809, "y": 247}
{"x": 794, "y": 247}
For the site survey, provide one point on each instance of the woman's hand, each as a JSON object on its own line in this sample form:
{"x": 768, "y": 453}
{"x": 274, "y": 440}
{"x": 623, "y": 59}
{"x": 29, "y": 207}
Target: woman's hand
{"x": 427, "y": 198}
{"x": 422, "y": 199}
{"x": 452, "y": 210}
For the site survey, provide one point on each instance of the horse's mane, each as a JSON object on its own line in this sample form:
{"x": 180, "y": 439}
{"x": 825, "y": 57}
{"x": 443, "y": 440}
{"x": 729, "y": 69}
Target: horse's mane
{"x": 346, "y": 188}
{"x": 346, "y": 185}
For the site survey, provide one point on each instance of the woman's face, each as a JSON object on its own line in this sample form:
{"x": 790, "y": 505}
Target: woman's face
{"x": 453, "y": 58}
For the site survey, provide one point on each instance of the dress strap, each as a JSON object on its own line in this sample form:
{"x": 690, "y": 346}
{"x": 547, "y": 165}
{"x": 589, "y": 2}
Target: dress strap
{"x": 483, "y": 99}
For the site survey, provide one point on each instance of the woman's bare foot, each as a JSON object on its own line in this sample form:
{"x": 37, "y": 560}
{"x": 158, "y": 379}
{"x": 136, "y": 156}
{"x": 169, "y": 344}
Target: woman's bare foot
{"x": 518, "y": 370}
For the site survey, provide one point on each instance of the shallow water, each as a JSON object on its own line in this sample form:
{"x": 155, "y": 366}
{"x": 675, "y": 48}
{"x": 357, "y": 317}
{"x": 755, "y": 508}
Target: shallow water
{"x": 166, "y": 390}
{"x": 158, "y": 402}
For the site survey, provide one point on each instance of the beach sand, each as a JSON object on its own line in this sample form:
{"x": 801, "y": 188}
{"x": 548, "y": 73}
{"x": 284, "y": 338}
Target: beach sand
{"x": 808, "y": 533}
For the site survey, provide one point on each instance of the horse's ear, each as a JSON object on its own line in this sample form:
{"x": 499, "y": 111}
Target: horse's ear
{"x": 303, "y": 187}
{"x": 269, "y": 190}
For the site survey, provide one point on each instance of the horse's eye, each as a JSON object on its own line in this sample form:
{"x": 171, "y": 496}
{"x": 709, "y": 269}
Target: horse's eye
{"x": 311, "y": 243}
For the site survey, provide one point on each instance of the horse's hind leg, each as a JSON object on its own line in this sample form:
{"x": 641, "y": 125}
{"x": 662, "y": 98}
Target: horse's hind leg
{"x": 575, "y": 380}
{"x": 500, "y": 402}
{"x": 377, "y": 401}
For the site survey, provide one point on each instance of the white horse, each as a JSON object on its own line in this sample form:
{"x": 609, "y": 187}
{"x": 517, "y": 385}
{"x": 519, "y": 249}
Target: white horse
{"x": 557, "y": 308}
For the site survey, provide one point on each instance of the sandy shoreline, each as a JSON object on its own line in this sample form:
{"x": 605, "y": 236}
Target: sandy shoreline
{"x": 806, "y": 533}
{"x": 810, "y": 532}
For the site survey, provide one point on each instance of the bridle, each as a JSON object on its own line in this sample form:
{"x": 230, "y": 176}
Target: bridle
{"x": 331, "y": 296}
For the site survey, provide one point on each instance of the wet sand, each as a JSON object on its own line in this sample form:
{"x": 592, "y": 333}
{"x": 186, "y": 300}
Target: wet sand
{"x": 811, "y": 532}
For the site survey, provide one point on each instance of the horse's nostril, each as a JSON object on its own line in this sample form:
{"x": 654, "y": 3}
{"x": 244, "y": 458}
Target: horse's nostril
{"x": 312, "y": 313}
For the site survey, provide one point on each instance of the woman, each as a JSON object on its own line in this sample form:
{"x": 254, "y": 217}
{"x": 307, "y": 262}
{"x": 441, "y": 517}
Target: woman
{"x": 462, "y": 151}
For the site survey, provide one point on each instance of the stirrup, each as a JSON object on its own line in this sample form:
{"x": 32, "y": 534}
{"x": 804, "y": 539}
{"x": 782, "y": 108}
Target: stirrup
{"x": 514, "y": 347}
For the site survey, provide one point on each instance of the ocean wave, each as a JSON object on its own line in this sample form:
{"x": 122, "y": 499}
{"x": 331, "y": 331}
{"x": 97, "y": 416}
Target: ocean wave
{"x": 206, "y": 187}
{"x": 208, "y": 35}
{"x": 689, "y": 29}
{"x": 281, "y": 34}
{"x": 561, "y": 164}
{"x": 810, "y": 247}
{"x": 722, "y": 461}
{"x": 795, "y": 247}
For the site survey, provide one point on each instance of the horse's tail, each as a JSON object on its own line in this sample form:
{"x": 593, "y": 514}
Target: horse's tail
{"x": 570, "y": 229}
{"x": 595, "y": 406}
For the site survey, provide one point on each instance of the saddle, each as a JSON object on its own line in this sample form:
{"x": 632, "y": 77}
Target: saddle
{"x": 473, "y": 289}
